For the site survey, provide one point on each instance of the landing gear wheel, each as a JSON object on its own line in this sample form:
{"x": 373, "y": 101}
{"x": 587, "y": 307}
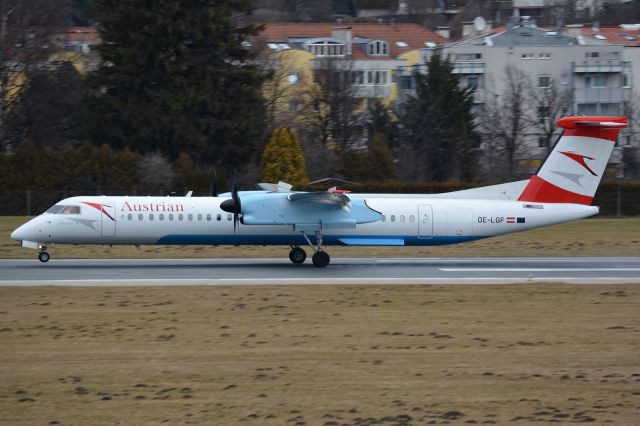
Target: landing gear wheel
{"x": 43, "y": 256}
{"x": 297, "y": 255}
{"x": 321, "y": 259}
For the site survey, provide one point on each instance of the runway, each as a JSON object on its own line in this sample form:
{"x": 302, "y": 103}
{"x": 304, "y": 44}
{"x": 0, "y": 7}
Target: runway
{"x": 123, "y": 272}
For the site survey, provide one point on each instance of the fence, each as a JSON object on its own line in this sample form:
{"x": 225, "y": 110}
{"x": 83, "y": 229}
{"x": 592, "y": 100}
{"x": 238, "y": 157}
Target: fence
{"x": 614, "y": 198}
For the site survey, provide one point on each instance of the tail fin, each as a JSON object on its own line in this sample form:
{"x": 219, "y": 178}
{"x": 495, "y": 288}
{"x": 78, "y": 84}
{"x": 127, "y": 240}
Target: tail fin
{"x": 573, "y": 170}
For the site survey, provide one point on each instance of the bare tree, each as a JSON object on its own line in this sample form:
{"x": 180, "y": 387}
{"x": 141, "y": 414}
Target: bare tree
{"x": 155, "y": 173}
{"x": 506, "y": 119}
{"x": 337, "y": 116}
{"x": 287, "y": 91}
{"x": 552, "y": 102}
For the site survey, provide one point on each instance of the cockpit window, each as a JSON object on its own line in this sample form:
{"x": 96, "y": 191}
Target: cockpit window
{"x": 70, "y": 210}
{"x": 60, "y": 209}
{"x": 55, "y": 209}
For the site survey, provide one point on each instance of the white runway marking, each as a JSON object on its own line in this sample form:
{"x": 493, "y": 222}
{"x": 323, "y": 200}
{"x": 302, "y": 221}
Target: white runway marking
{"x": 315, "y": 281}
{"x": 539, "y": 269}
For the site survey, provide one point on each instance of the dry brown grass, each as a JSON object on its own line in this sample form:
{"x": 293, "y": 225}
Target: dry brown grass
{"x": 320, "y": 355}
{"x": 593, "y": 237}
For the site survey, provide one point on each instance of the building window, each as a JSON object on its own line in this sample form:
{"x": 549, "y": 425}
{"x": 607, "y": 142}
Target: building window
{"x": 378, "y": 47}
{"x": 293, "y": 105}
{"x": 327, "y": 48}
{"x": 542, "y": 142}
{"x": 600, "y": 80}
{"x": 357, "y": 77}
{"x": 472, "y": 81}
{"x": 468, "y": 56}
{"x": 609, "y": 109}
{"x": 544, "y": 81}
{"x": 626, "y": 80}
{"x": 407, "y": 83}
{"x": 587, "y": 109}
{"x": 593, "y": 54}
{"x": 377, "y": 77}
{"x": 543, "y": 113}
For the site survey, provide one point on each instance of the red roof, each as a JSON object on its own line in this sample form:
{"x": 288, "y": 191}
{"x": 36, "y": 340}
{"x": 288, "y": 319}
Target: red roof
{"x": 614, "y": 35}
{"x": 415, "y": 36}
{"x": 83, "y": 34}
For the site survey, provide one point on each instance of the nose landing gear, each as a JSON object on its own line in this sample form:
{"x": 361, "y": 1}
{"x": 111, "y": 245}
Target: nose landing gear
{"x": 43, "y": 256}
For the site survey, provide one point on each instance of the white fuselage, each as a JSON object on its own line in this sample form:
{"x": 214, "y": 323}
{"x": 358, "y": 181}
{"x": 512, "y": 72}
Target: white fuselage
{"x": 414, "y": 220}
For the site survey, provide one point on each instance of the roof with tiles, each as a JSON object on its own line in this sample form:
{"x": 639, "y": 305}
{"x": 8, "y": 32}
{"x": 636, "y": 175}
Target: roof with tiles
{"x": 629, "y": 36}
{"x": 402, "y": 37}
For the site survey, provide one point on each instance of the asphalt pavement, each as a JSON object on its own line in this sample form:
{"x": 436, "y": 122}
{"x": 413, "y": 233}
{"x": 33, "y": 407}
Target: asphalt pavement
{"x": 121, "y": 272}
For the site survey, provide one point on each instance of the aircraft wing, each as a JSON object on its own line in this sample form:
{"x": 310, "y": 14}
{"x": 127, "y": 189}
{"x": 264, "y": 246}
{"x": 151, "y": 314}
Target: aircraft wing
{"x": 323, "y": 197}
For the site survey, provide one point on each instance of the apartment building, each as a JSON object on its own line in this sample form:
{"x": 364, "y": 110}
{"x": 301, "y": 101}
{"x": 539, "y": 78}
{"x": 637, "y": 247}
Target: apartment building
{"x": 367, "y": 55}
{"x": 592, "y": 68}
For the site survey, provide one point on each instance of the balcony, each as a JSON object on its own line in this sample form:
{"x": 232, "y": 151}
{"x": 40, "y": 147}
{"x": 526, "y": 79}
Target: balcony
{"x": 598, "y": 66}
{"x": 468, "y": 67}
{"x": 602, "y": 94}
{"x": 380, "y": 91}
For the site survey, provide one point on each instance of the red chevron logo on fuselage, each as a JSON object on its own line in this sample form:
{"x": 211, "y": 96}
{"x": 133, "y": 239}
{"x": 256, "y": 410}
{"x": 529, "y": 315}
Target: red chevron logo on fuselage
{"x": 100, "y": 207}
{"x": 580, "y": 159}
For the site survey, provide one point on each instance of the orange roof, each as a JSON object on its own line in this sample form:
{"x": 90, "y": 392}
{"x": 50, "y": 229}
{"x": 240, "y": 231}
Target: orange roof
{"x": 83, "y": 34}
{"x": 614, "y": 35}
{"x": 413, "y": 35}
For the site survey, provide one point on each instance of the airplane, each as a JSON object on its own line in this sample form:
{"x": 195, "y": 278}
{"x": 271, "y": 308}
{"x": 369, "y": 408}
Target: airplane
{"x": 562, "y": 190}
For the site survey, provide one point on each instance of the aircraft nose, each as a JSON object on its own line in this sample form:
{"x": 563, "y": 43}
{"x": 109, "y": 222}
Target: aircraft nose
{"x": 23, "y": 232}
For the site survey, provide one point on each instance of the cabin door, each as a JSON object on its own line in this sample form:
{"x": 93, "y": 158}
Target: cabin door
{"x": 108, "y": 219}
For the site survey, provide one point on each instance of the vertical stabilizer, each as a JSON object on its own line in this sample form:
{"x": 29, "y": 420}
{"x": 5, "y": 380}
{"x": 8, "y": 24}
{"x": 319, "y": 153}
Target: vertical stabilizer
{"x": 573, "y": 170}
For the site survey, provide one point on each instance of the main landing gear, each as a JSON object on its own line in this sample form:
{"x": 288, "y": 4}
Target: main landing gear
{"x": 43, "y": 256}
{"x": 320, "y": 258}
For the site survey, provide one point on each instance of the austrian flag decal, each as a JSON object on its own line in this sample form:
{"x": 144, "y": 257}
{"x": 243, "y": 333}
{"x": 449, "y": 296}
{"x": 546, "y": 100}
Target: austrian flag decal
{"x": 512, "y": 219}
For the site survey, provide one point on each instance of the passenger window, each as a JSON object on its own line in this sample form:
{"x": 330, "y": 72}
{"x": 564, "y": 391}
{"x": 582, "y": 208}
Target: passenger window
{"x": 129, "y": 216}
{"x": 229, "y": 217}
{"x": 151, "y": 216}
{"x": 171, "y": 216}
{"x": 199, "y": 217}
{"x": 393, "y": 218}
{"x": 219, "y": 217}
{"x": 384, "y": 218}
{"x": 190, "y": 217}
{"x": 209, "y": 217}
{"x": 161, "y": 216}
{"x": 412, "y": 218}
{"x": 180, "y": 217}
{"x": 140, "y": 216}
{"x": 401, "y": 218}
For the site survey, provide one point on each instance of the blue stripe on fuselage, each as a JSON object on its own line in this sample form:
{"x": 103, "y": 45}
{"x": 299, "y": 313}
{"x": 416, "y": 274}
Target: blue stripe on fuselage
{"x": 375, "y": 240}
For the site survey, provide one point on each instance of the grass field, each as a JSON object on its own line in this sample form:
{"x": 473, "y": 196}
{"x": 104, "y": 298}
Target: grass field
{"x": 592, "y": 237}
{"x": 320, "y": 355}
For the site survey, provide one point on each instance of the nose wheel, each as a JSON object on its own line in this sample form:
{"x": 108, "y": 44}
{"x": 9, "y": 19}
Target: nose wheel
{"x": 43, "y": 256}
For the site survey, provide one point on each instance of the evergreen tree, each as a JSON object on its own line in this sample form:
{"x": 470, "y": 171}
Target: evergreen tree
{"x": 176, "y": 78}
{"x": 439, "y": 125}
{"x": 283, "y": 159}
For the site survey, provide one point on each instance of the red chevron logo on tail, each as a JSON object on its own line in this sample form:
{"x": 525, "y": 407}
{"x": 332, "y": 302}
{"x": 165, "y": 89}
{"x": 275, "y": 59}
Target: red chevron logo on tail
{"x": 580, "y": 159}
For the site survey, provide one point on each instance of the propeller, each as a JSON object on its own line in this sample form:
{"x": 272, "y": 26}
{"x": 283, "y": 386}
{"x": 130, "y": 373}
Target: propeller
{"x": 234, "y": 205}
